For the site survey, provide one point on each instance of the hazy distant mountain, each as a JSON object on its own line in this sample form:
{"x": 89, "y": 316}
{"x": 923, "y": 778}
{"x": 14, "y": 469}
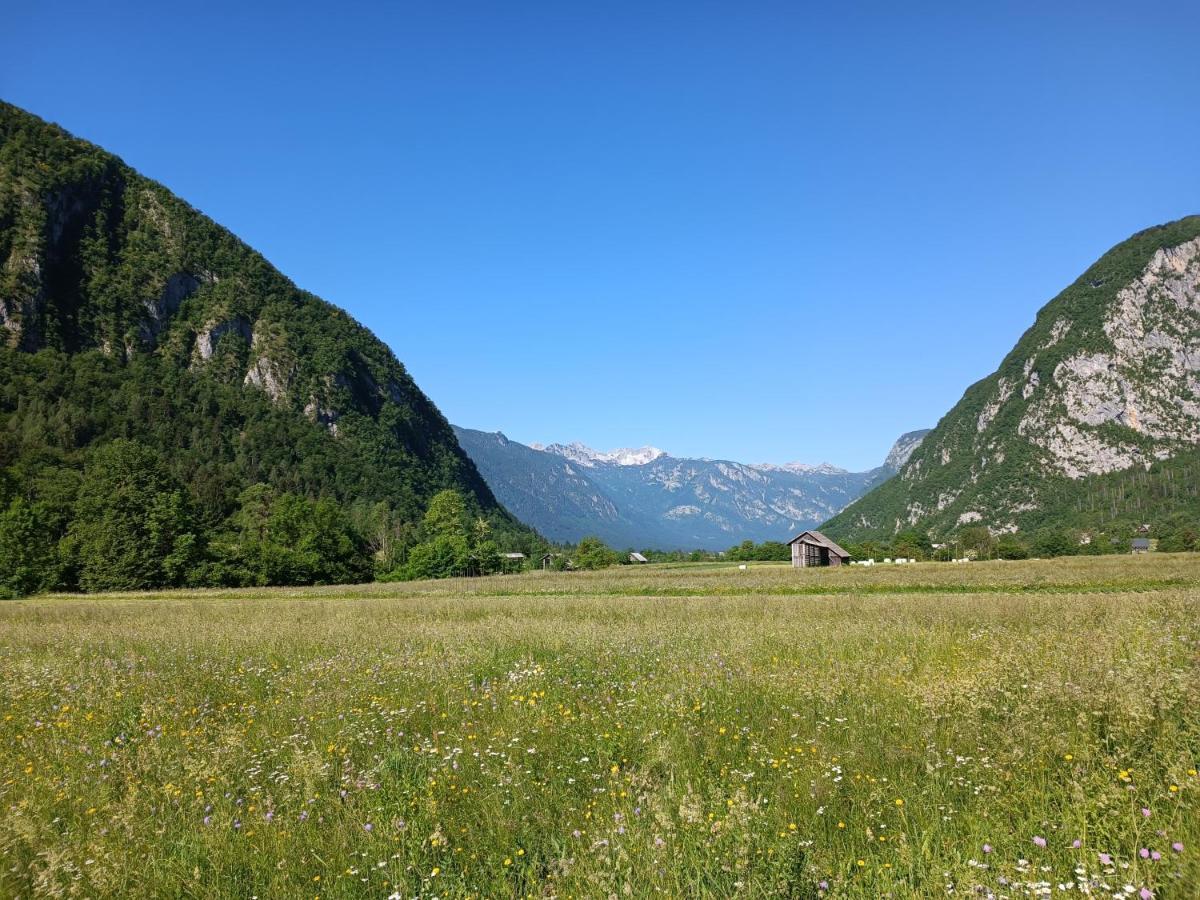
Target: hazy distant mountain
{"x": 1091, "y": 421}
{"x": 648, "y": 498}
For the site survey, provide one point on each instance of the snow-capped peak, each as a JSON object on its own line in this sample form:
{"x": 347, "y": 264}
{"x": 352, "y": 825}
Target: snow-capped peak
{"x": 803, "y": 468}
{"x": 586, "y": 456}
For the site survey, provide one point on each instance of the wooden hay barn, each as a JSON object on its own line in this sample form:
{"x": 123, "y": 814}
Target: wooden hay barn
{"x": 811, "y": 548}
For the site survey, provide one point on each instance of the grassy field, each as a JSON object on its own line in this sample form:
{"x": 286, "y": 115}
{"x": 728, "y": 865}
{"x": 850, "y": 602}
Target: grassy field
{"x": 993, "y": 729}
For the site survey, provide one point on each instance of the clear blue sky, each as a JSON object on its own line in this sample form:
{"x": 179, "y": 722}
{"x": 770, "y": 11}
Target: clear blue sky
{"x": 630, "y": 223}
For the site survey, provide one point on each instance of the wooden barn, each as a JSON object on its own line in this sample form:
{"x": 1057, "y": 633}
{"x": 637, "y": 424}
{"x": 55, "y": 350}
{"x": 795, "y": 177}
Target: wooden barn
{"x": 811, "y": 548}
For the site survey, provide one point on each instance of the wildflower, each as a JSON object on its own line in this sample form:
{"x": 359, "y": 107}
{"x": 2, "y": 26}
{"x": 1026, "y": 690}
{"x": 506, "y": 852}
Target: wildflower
{"x": 987, "y": 848}
{"x": 1145, "y": 812}
{"x": 899, "y": 802}
{"x": 1146, "y": 894}
{"x": 1144, "y": 853}
{"x": 1077, "y": 843}
{"x": 1105, "y": 859}
{"x": 824, "y": 885}
{"x": 1040, "y": 841}
{"x": 1177, "y": 846}
{"x": 1155, "y": 855}
{"x": 434, "y": 873}
{"x": 208, "y": 820}
{"x": 368, "y": 827}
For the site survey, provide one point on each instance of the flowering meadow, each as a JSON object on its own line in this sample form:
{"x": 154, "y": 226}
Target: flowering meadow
{"x": 1006, "y": 729}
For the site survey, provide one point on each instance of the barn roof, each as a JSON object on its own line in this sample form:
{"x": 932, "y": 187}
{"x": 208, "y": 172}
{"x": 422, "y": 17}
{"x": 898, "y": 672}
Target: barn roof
{"x": 815, "y": 537}
{"x": 637, "y": 557}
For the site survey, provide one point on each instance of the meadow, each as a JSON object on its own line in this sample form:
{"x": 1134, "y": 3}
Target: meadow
{"x": 1004, "y": 729}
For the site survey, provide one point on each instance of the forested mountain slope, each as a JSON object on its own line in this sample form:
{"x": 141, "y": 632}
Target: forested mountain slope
{"x": 1091, "y": 421}
{"x": 129, "y": 319}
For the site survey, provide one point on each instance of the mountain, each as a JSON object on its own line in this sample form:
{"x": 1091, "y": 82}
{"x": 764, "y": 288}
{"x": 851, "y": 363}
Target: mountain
{"x": 588, "y": 457}
{"x": 648, "y": 498}
{"x": 127, "y": 314}
{"x": 1091, "y": 421}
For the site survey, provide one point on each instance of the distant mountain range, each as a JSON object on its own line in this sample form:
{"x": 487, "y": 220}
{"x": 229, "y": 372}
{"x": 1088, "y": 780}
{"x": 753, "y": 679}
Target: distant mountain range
{"x": 647, "y": 498}
{"x": 1092, "y": 421}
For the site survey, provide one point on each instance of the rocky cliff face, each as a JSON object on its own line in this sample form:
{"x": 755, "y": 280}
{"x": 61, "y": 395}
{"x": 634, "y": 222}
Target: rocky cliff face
{"x": 648, "y": 498}
{"x": 904, "y": 447}
{"x": 1107, "y": 380}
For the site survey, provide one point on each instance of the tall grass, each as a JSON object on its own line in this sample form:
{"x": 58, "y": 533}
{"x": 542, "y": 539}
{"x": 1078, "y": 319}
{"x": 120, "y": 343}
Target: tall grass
{"x": 991, "y": 729}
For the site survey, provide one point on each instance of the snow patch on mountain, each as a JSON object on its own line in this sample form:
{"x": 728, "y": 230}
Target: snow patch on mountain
{"x": 586, "y": 456}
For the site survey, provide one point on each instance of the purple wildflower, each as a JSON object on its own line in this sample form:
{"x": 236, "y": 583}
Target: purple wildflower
{"x": 987, "y": 848}
{"x": 1177, "y": 846}
{"x": 1145, "y": 813}
{"x": 1146, "y": 894}
{"x": 1077, "y": 843}
{"x": 368, "y": 827}
{"x": 1144, "y": 853}
{"x": 1039, "y": 840}
{"x": 1106, "y": 859}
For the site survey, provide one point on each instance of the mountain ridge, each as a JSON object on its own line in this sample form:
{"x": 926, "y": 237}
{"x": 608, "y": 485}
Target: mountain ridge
{"x": 126, "y": 314}
{"x": 1104, "y": 383}
{"x": 663, "y": 502}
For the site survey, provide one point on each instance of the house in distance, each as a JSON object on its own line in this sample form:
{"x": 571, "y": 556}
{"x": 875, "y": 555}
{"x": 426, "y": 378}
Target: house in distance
{"x": 811, "y": 548}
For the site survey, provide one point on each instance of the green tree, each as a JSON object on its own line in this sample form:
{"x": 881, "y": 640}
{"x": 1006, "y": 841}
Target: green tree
{"x": 446, "y": 515}
{"x": 132, "y": 528}
{"x": 286, "y": 539}
{"x": 913, "y": 543}
{"x": 1009, "y": 546}
{"x": 593, "y": 553}
{"x": 445, "y": 556}
{"x": 1055, "y": 542}
{"x": 26, "y": 551}
{"x": 979, "y": 539}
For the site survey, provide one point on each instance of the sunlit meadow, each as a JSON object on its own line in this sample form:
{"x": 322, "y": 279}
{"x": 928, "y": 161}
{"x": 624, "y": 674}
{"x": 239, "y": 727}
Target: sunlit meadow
{"x": 991, "y": 729}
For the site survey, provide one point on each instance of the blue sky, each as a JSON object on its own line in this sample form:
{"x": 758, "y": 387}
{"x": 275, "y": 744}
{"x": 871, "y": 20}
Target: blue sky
{"x": 631, "y": 223}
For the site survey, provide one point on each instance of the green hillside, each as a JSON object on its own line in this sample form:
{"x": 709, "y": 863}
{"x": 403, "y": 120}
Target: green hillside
{"x": 163, "y": 386}
{"x": 1091, "y": 421}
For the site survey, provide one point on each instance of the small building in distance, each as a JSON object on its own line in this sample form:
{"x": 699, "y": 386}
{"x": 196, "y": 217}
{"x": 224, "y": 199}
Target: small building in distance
{"x": 811, "y": 548}
{"x": 512, "y": 562}
{"x": 637, "y": 558}
{"x": 1139, "y": 545}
